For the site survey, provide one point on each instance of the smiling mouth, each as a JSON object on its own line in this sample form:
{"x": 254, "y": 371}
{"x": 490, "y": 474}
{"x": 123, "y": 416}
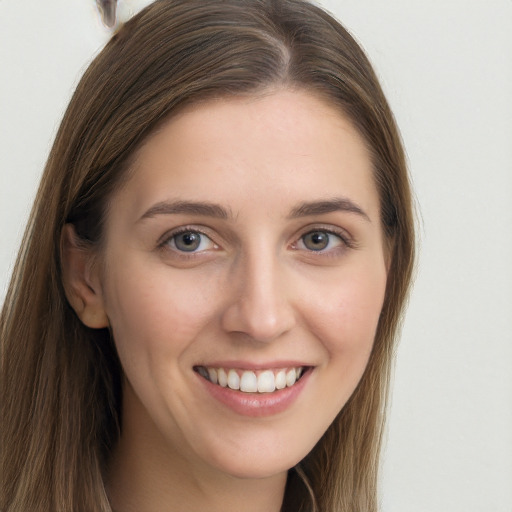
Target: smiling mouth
{"x": 248, "y": 381}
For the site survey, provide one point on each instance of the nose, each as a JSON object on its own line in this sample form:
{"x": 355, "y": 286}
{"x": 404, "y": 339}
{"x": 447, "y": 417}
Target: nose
{"x": 260, "y": 306}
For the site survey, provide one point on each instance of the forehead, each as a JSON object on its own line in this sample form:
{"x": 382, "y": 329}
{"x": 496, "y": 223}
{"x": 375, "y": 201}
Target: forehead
{"x": 284, "y": 146}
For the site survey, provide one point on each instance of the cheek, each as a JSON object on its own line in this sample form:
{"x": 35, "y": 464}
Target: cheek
{"x": 156, "y": 312}
{"x": 345, "y": 315}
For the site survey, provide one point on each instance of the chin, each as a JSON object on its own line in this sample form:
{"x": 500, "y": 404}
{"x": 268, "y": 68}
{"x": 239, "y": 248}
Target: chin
{"x": 258, "y": 463}
{"x": 249, "y": 471}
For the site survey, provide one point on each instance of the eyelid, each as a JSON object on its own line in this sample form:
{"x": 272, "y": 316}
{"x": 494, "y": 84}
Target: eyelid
{"x": 165, "y": 238}
{"x": 348, "y": 242}
{"x": 333, "y": 238}
{"x": 343, "y": 234}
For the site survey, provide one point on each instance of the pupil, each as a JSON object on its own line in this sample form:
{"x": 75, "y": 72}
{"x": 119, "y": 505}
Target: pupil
{"x": 189, "y": 238}
{"x": 188, "y": 241}
{"x": 316, "y": 241}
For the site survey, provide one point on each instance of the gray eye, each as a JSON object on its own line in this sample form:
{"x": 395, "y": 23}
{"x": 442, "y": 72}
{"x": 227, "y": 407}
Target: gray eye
{"x": 188, "y": 241}
{"x": 316, "y": 240}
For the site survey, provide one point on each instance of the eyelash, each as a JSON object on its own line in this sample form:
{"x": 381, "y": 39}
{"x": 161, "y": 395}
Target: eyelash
{"x": 167, "y": 238}
{"x": 346, "y": 241}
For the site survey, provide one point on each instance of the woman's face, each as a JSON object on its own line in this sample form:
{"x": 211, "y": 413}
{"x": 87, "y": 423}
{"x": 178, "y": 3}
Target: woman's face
{"x": 245, "y": 247}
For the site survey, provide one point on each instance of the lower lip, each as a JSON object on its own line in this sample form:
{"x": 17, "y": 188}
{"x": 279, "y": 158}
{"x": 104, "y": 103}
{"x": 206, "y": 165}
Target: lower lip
{"x": 257, "y": 404}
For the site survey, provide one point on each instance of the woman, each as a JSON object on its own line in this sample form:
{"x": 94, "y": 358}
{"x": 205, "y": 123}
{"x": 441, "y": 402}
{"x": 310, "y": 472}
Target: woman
{"x": 203, "y": 312}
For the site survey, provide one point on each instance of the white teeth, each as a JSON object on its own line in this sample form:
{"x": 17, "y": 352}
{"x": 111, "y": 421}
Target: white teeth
{"x": 233, "y": 380}
{"x": 223, "y": 378}
{"x": 212, "y": 374}
{"x": 249, "y": 382}
{"x": 266, "y": 382}
{"x": 281, "y": 379}
{"x": 291, "y": 377}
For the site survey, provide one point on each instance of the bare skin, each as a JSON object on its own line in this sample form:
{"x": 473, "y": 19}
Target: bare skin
{"x": 248, "y": 238}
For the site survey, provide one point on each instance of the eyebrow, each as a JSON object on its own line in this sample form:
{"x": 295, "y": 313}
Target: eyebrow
{"x": 207, "y": 209}
{"x": 187, "y": 207}
{"x": 337, "y": 204}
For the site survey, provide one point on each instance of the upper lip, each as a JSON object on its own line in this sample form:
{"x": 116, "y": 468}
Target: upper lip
{"x": 246, "y": 365}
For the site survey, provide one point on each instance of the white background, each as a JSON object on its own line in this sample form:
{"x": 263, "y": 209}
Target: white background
{"x": 446, "y": 67}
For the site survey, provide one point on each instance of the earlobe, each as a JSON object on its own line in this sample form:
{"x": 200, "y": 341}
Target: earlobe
{"x": 81, "y": 280}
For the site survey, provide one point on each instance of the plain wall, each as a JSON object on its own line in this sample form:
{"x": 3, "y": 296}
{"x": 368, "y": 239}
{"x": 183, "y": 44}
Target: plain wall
{"x": 447, "y": 70}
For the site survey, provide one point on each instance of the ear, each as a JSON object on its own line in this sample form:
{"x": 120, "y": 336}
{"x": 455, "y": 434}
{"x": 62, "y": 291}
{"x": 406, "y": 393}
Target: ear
{"x": 81, "y": 280}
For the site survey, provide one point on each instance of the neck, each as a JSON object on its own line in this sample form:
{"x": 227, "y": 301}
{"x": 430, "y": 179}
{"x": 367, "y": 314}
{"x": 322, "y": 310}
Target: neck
{"x": 147, "y": 474}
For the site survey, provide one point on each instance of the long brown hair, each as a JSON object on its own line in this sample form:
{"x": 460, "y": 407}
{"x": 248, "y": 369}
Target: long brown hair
{"x": 60, "y": 381}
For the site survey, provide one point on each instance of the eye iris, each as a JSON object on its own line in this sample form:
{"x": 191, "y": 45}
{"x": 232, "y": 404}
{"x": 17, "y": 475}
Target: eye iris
{"x": 188, "y": 241}
{"x": 316, "y": 241}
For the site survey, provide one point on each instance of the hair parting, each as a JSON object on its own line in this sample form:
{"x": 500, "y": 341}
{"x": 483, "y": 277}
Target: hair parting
{"x": 61, "y": 381}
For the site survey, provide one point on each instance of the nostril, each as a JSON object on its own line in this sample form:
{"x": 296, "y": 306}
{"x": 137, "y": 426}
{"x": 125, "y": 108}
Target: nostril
{"x": 258, "y": 308}
{"x": 260, "y": 319}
